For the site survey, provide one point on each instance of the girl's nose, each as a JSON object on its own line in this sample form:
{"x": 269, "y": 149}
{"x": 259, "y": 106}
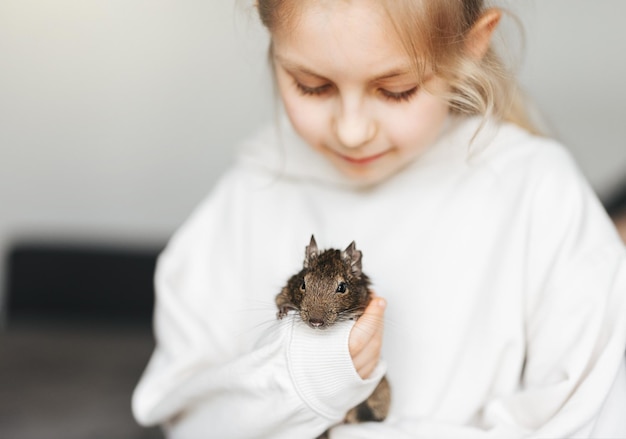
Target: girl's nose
{"x": 354, "y": 128}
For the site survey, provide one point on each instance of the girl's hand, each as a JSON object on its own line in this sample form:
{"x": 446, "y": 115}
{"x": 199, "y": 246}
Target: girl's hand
{"x": 366, "y": 337}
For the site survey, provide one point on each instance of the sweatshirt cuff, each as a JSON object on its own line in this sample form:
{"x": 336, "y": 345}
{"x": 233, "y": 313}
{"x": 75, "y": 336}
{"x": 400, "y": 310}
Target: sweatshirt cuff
{"x": 322, "y": 370}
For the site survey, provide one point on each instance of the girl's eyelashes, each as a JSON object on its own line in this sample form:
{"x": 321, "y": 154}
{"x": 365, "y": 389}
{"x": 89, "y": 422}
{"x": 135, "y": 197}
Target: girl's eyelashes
{"x": 312, "y": 91}
{"x": 403, "y": 96}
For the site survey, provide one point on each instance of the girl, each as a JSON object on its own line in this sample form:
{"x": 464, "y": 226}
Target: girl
{"x": 504, "y": 278}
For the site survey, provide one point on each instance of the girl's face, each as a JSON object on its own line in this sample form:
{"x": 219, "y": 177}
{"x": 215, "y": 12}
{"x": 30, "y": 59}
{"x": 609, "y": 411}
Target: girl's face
{"x": 349, "y": 89}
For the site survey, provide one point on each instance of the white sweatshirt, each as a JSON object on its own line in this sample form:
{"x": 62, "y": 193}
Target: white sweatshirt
{"x": 505, "y": 282}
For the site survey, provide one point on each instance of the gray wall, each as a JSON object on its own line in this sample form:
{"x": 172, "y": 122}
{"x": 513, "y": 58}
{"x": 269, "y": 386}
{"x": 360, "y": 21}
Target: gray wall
{"x": 575, "y": 69}
{"x": 116, "y": 116}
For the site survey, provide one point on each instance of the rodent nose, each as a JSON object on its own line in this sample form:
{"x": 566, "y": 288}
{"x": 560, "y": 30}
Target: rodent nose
{"x": 316, "y": 323}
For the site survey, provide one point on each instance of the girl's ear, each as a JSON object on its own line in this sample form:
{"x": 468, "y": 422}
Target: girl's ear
{"x": 479, "y": 37}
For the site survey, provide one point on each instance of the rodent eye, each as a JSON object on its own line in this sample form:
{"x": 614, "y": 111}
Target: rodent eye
{"x": 341, "y": 288}
{"x": 303, "y": 286}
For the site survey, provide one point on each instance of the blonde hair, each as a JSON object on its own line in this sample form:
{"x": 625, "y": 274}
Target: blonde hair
{"x": 434, "y": 34}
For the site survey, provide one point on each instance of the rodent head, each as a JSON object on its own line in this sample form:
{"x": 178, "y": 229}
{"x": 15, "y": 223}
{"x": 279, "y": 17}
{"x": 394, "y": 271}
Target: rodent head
{"x": 333, "y": 287}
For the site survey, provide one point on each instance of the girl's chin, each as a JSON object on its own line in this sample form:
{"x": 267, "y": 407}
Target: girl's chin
{"x": 363, "y": 174}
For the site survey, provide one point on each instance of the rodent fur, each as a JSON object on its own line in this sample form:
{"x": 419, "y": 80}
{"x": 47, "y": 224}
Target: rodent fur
{"x": 332, "y": 287}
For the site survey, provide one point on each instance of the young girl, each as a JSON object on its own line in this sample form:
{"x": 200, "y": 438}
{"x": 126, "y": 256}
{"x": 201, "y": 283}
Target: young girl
{"x": 504, "y": 281}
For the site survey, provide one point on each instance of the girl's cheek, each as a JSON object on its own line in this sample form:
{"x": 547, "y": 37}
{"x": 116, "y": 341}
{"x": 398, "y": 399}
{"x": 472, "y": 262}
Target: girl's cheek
{"x": 304, "y": 120}
{"x": 307, "y": 117}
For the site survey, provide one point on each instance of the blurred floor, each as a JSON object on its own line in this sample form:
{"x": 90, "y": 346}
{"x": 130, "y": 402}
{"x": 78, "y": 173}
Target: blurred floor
{"x": 69, "y": 372}
{"x": 61, "y": 382}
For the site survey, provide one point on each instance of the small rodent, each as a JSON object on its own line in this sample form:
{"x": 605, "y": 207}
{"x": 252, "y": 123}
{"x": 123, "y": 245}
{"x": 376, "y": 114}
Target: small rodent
{"x": 332, "y": 287}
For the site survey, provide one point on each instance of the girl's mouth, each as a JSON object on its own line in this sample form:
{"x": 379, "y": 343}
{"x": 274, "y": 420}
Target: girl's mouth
{"x": 362, "y": 161}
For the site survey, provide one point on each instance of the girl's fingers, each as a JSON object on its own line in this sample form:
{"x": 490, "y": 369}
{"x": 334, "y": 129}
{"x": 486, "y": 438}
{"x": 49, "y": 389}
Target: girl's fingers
{"x": 369, "y": 325}
{"x": 366, "y": 337}
{"x": 367, "y": 360}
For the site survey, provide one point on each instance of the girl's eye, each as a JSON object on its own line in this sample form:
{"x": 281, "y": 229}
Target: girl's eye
{"x": 312, "y": 91}
{"x": 341, "y": 288}
{"x": 403, "y": 96}
{"x": 303, "y": 286}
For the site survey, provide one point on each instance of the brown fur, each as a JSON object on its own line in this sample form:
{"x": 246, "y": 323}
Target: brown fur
{"x": 332, "y": 287}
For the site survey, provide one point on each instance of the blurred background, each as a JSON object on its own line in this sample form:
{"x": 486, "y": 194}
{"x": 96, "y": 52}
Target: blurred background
{"x": 118, "y": 116}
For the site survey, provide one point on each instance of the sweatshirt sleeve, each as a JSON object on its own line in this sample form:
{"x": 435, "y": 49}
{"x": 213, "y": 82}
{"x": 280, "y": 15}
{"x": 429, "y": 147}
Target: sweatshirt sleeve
{"x": 573, "y": 383}
{"x": 202, "y": 381}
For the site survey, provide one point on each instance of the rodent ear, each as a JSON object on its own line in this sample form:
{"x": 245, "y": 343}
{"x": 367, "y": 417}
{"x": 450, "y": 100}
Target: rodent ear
{"x": 310, "y": 252}
{"x": 353, "y": 257}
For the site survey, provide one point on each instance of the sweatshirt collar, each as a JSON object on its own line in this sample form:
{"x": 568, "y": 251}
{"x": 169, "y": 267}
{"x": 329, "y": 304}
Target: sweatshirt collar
{"x": 278, "y": 149}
